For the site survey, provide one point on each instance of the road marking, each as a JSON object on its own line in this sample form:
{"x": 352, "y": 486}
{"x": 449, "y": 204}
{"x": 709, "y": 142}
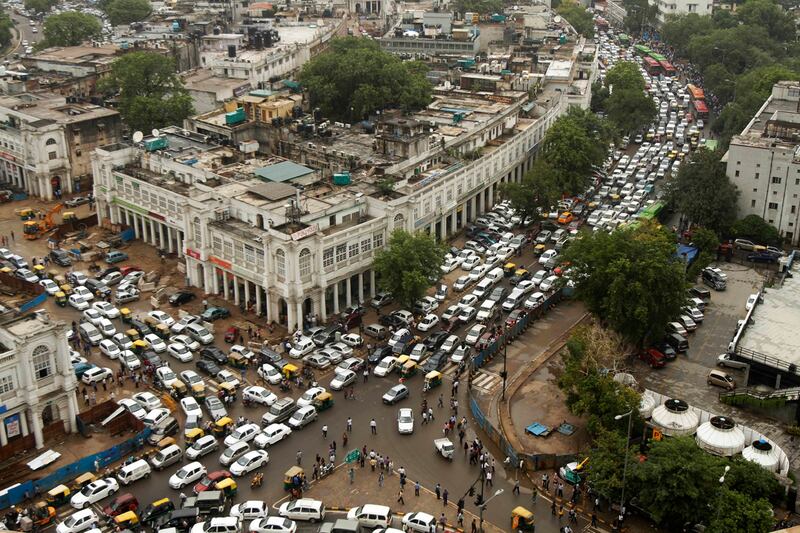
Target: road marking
{"x": 486, "y": 380}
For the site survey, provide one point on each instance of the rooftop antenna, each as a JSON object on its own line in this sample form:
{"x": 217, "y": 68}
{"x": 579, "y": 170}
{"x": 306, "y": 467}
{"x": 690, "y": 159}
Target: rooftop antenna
{"x": 138, "y": 136}
{"x": 155, "y": 132}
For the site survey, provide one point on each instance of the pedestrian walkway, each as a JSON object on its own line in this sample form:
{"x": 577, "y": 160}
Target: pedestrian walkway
{"x": 486, "y": 381}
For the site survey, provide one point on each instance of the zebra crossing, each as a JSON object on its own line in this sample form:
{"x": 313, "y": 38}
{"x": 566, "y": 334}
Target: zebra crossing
{"x": 483, "y": 380}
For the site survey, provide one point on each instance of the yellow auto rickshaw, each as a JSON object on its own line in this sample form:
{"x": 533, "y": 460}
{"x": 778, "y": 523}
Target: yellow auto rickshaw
{"x": 192, "y": 435}
{"x": 126, "y": 315}
{"x": 40, "y": 271}
{"x": 291, "y": 371}
{"x": 292, "y": 478}
{"x": 509, "y": 269}
{"x": 222, "y": 425}
{"x": 68, "y": 215}
{"x": 177, "y": 389}
{"x": 199, "y": 391}
{"x": 226, "y": 388}
{"x": 43, "y": 514}
{"x": 237, "y": 360}
{"x": 66, "y": 288}
{"x": 227, "y": 487}
{"x": 133, "y": 335}
{"x": 162, "y": 330}
{"x": 539, "y": 249}
{"x": 61, "y": 299}
{"x": 432, "y": 379}
{"x": 6, "y": 270}
{"x": 81, "y": 481}
{"x": 401, "y": 360}
{"x": 323, "y": 401}
{"x": 58, "y": 495}
{"x": 127, "y": 520}
{"x": 139, "y": 346}
{"x": 26, "y": 213}
{"x": 408, "y": 369}
{"x": 522, "y": 520}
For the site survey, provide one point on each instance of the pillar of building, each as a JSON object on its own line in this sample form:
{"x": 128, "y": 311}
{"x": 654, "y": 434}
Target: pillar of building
{"x": 323, "y": 305}
{"x": 246, "y": 293}
{"x": 162, "y": 240}
{"x": 291, "y": 322}
{"x": 258, "y": 299}
{"x": 372, "y": 288}
{"x": 225, "y": 287}
{"x": 23, "y": 423}
{"x": 36, "y": 422}
{"x": 3, "y": 436}
{"x": 72, "y": 412}
{"x": 215, "y": 280}
{"x": 135, "y": 224}
{"x": 361, "y": 287}
{"x": 349, "y": 291}
{"x": 300, "y": 317}
{"x": 336, "y": 298}
{"x": 236, "y": 300}
{"x": 270, "y": 314}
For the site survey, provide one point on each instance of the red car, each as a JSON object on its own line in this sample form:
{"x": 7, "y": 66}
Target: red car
{"x": 232, "y": 335}
{"x": 127, "y": 269}
{"x": 209, "y": 479}
{"x": 653, "y": 357}
{"x": 121, "y": 504}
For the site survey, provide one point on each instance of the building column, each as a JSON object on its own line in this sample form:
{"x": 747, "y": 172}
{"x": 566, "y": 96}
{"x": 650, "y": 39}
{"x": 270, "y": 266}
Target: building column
{"x": 442, "y": 228}
{"x": 36, "y": 422}
{"x": 3, "y": 436}
{"x": 215, "y": 280}
{"x": 300, "y": 317}
{"x": 163, "y": 242}
{"x": 23, "y": 423}
{"x": 291, "y": 320}
{"x": 225, "y": 286}
{"x": 349, "y": 289}
{"x": 361, "y": 287}
{"x": 135, "y": 225}
{"x": 235, "y": 290}
{"x": 152, "y": 232}
{"x": 258, "y": 300}
{"x": 323, "y": 305}
{"x": 72, "y": 411}
{"x": 372, "y": 288}
{"x": 246, "y": 293}
{"x": 269, "y": 308}
{"x": 336, "y": 298}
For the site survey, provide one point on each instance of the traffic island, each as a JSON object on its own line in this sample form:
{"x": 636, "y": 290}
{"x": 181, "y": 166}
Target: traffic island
{"x": 343, "y": 490}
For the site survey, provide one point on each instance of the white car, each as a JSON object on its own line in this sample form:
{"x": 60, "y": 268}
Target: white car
{"x": 77, "y": 522}
{"x": 751, "y": 301}
{"x": 471, "y": 262}
{"x": 449, "y": 265}
{"x": 418, "y": 521}
{"x": 79, "y": 278}
{"x": 353, "y": 340}
{"x": 478, "y": 272}
{"x": 243, "y": 433}
{"x": 165, "y": 376}
{"x": 250, "y": 461}
{"x": 106, "y": 327}
{"x": 451, "y": 313}
{"x": 109, "y": 349}
{"x": 162, "y": 317}
{"x": 344, "y": 349}
{"x": 133, "y": 408}
{"x": 187, "y": 341}
{"x": 526, "y": 286}
{"x": 548, "y": 284}
{"x": 106, "y": 309}
{"x": 78, "y": 302}
{"x": 156, "y": 343}
{"x": 468, "y": 300}
{"x": 405, "y": 421}
{"x": 96, "y": 375}
{"x": 226, "y": 376}
{"x": 462, "y": 283}
{"x": 342, "y": 379}
{"x": 467, "y": 314}
{"x": 271, "y": 434}
{"x": 92, "y": 316}
{"x": 546, "y": 256}
{"x": 94, "y": 492}
{"x": 385, "y": 367}
{"x": 270, "y": 374}
{"x": 123, "y": 341}
{"x": 428, "y": 322}
{"x": 155, "y": 416}
{"x": 180, "y": 352}
{"x": 534, "y": 300}
{"x": 247, "y": 353}
{"x": 273, "y": 524}
{"x": 50, "y": 286}
{"x": 181, "y": 324}
{"x": 129, "y": 360}
{"x": 84, "y": 292}
{"x": 309, "y": 395}
{"x": 259, "y": 395}
{"x": 148, "y": 400}
{"x": 474, "y": 334}
{"x": 250, "y": 510}
{"x": 303, "y": 509}
{"x": 187, "y": 474}
{"x": 191, "y": 407}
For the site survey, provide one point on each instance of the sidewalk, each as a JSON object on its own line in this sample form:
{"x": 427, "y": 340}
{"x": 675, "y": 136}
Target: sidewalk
{"x": 339, "y": 494}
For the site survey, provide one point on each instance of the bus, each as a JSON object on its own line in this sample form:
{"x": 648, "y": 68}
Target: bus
{"x": 696, "y": 92}
{"x": 669, "y": 70}
{"x": 642, "y": 50}
{"x": 624, "y": 39}
{"x": 652, "y": 212}
{"x": 700, "y": 109}
{"x": 657, "y": 57}
{"x": 652, "y": 66}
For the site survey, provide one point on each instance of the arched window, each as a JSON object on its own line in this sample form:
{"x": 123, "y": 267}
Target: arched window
{"x": 50, "y": 141}
{"x": 280, "y": 263}
{"x": 305, "y": 263}
{"x": 399, "y": 221}
{"x": 42, "y": 366}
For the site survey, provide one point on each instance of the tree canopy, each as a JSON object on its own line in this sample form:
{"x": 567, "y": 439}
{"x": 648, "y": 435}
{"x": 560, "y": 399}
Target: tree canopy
{"x": 535, "y": 193}
{"x": 6, "y": 27}
{"x": 483, "y": 7}
{"x": 408, "y": 263}
{"x": 703, "y": 193}
{"x": 641, "y": 14}
{"x": 70, "y": 28}
{"x": 628, "y": 107}
{"x": 127, "y": 11}
{"x": 578, "y": 17}
{"x": 149, "y": 92}
{"x": 707, "y": 244}
{"x": 756, "y": 229}
{"x": 40, "y": 6}
{"x": 630, "y": 278}
{"x": 355, "y": 78}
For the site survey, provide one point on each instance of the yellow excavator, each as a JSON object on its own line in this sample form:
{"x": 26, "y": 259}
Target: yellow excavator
{"x": 33, "y": 229}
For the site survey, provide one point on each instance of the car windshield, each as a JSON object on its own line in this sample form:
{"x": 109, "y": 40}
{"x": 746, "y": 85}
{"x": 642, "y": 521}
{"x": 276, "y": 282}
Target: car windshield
{"x": 405, "y": 418}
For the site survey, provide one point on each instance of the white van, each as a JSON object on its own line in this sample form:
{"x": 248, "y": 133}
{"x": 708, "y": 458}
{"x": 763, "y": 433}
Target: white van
{"x": 89, "y": 333}
{"x": 302, "y": 347}
{"x": 133, "y": 472}
{"x": 217, "y": 524}
{"x": 303, "y": 509}
{"x": 486, "y": 311}
{"x": 513, "y": 301}
{"x": 483, "y": 287}
{"x": 199, "y": 333}
{"x": 371, "y": 516}
{"x": 167, "y": 456}
{"x": 496, "y": 275}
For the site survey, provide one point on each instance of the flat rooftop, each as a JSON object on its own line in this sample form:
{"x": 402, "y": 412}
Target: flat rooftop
{"x": 204, "y": 80}
{"x": 53, "y": 108}
{"x": 78, "y": 54}
{"x": 773, "y": 331}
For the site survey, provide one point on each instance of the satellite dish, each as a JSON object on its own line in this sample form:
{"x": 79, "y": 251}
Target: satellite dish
{"x": 138, "y": 136}
{"x": 155, "y": 132}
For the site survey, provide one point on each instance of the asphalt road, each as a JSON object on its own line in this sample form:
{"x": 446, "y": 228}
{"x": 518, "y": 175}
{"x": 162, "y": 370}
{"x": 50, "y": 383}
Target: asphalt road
{"x": 25, "y": 30}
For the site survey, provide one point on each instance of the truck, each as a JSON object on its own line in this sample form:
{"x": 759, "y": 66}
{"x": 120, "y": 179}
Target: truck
{"x": 444, "y": 447}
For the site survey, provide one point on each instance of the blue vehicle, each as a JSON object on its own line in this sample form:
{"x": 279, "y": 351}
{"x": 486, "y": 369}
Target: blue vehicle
{"x": 115, "y": 256}
{"x": 81, "y": 368}
{"x": 215, "y": 313}
{"x": 762, "y": 257}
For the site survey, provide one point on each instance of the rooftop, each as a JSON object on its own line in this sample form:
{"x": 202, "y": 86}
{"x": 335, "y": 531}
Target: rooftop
{"x": 53, "y": 108}
{"x": 79, "y": 54}
{"x": 284, "y": 171}
{"x": 204, "y": 80}
{"x": 777, "y": 120}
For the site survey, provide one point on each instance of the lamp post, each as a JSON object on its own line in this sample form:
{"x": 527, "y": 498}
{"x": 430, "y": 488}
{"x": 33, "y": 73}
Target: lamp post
{"x": 721, "y": 483}
{"x": 497, "y": 493}
{"x": 629, "y": 414}
{"x": 504, "y": 373}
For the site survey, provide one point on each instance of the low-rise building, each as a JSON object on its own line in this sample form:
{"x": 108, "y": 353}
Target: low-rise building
{"x": 38, "y": 386}
{"x": 682, "y": 7}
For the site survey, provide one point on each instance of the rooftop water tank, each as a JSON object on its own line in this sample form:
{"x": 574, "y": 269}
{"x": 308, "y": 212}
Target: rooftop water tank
{"x": 763, "y": 453}
{"x": 342, "y": 178}
{"x": 720, "y": 436}
{"x": 674, "y": 418}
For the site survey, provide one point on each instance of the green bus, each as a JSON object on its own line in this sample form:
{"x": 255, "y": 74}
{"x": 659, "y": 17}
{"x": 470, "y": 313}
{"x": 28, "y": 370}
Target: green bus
{"x": 652, "y": 212}
{"x": 642, "y": 50}
{"x": 657, "y": 57}
{"x": 624, "y": 39}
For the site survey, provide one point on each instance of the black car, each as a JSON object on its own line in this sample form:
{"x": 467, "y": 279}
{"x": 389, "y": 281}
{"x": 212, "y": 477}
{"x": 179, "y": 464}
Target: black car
{"x": 214, "y": 354}
{"x": 208, "y": 366}
{"x": 106, "y": 271}
{"x": 379, "y": 353}
{"x": 435, "y": 362}
{"x": 60, "y": 257}
{"x": 516, "y": 278}
{"x": 435, "y": 340}
{"x": 151, "y": 358}
{"x": 97, "y": 287}
{"x": 156, "y": 510}
{"x": 392, "y": 321}
{"x": 142, "y": 328}
{"x": 762, "y": 257}
{"x": 181, "y": 297}
{"x": 359, "y": 310}
{"x": 666, "y": 349}
{"x": 327, "y": 335}
{"x": 498, "y": 294}
{"x": 273, "y": 358}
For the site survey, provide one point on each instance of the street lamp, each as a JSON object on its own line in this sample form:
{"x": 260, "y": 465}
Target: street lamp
{"x": 629, "y": 414}
{"x": 721, "y": 483}
{"x": 504, "y": 373}
{"x": 497, "y": 493}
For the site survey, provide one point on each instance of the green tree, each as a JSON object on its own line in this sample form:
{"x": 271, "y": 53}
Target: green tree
{"x": 599, "y": 97}
{"x": 629, "y": 108}
{"x": 149, "y": 91}
{"x": 756, "y": 229}
{"x": 779, "y": 23}
{"x": 578, "y": 17}
{"x": 483, "y": 7}
{"x": 355, "y": 78}
{"x": 127, "y": 11}
{"x": 6, "y": 30}
{"x": 407, "y": 264}
{"x": 70, "y": 28}
{"x": 40, "y": 6}
{"x": 641, "y": 15}
{"x": 678, "y": 30}
{"x": 736, "y": 512}
{"x": 607, "y": 463}
{"x": 631, "y": 278}
{"x": 535, "y": 194}
{"x": 703, "y": 193}
{"x": 707, "y": 243}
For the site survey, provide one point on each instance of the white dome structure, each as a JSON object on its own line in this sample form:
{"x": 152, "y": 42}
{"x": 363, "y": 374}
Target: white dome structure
{"x": 646, "y": 405}
{"x": 674, "y": 418}
{"x": 763, "y": 453}
{"x": 623, "y": 378}
{"x": 720, "y": 436}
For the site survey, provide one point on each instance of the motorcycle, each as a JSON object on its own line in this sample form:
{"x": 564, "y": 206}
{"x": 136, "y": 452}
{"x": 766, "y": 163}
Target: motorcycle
{"x": 247, "y": 402}
{"x": 257, "y": 480}
{"x": 285, "y": 387}
{"x": 326, "y": 469}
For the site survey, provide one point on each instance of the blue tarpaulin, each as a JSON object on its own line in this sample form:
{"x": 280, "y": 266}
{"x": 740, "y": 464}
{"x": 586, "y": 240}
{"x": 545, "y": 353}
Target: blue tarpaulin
{"x": 686, "y": 253}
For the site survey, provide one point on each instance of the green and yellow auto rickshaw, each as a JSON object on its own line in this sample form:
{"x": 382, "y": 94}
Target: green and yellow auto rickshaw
{"x": 127, "y": 520}
{"x": 237, "y": 360}
{"x": 177, "y": 389}
{"x": 58, "y": 495}
{"x": 139, "y": 346}
{"x": 509, "y": 269}
{"x": 222, "y": 426}
{"x": 192, "y": 435}
{"x": 227, "y": 487}
{"x": 522, "y": 519}
{"x": 432, "y": 379}
{"x": 290, "y": 371}
{"x": 291, "y": 477}
{"x": 81, "y": 481}
{"x": 323, "y": 401}
{"x": 408, "y": 369}
{"x": 43, "y": 514}
{"x": 26, "y": 213}
{"x": 61, "y": 299}
{"x": 162, "y": 330}
{"x": 126, "y": 315}
{"x": 66, "y": 288}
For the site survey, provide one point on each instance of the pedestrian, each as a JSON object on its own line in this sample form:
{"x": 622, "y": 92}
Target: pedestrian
{"x": 349, "y": 424}
{"x": 443, "y": 522}
{"x": 299, "y": 457}
{"x": 333, "y": 446}
{"x": 596, "y": 503}
{"x": 573, "y": 516}
{"x": 366, "y": 374}
{"x": 560, "y": 512}
{"x": 516, "y": 487}
{"x": 373, "y": 426}
{"x": 380, "y": 479}
{"x": 430, "y": 413}
{"x": 474, "y": 527}
{"x": 344, "y": 439}
{"x": 441, "y": 400}
{"x": 400, "y": 499}
{"x": 205, "y": 304}
{"x": 183, "y": 498}
{"x": 97, "y": 465}
{"x": 553, "y": 507}
{"x": 325, "y": 431}
{"x": 534, "y": 494}
{"x": 455, "y": 407}
{"x": 12, "y": 236}
{"x": 438, "y": 491}
{"x": 489, "y": 479}
{"x": 594, "y": 519}
{"x": 351, "y": 473}
{"x": 445, "y": 495}
{"x": 466, "y": 448}
{"x": 460, "y": 519}
{"x": 416, "y": 488}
